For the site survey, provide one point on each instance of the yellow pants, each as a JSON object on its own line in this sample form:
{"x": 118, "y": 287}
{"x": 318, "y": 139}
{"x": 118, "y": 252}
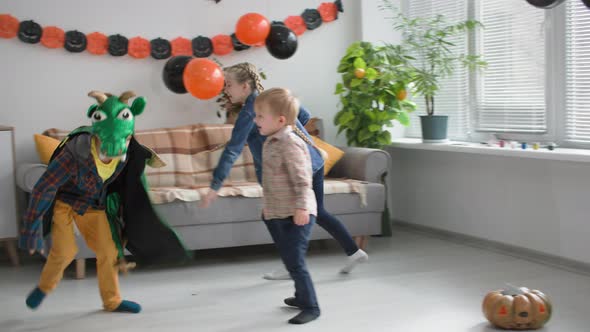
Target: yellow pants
{"x": 96, "y": 231}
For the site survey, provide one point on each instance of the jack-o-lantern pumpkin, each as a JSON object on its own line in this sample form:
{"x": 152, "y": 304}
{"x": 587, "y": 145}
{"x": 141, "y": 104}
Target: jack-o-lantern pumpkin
{"x": 517, "y": 308}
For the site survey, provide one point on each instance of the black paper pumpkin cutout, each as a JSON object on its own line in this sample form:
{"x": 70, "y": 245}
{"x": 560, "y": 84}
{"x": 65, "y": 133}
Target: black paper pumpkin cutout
{"x": 118, "y": 45}
{"x": 30, "y": 32}
{"x": 312, "y": 18}
{"x": 202, "y": 47}
{"x": 238, "y": 46}
{"x": 161, "y": 48}
{"x": 339, "y": 5}
{"x": 75, "y": 41}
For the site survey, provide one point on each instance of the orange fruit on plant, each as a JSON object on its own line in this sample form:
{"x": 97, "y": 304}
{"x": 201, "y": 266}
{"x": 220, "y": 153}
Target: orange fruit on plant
{"x": 359, "y": 73}
{"x": 401, "y": 94}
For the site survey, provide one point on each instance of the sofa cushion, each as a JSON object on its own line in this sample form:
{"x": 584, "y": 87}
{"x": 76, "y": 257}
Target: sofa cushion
{"x": 240, "y": 209}
{"x": 162, "y": 195}
{"x": 45, "y": 146}
{"x": 333, "y": 153}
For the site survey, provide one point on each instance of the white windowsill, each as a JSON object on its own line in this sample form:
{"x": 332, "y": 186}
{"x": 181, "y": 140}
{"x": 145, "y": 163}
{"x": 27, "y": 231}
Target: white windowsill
{"x": 562, "y": 154}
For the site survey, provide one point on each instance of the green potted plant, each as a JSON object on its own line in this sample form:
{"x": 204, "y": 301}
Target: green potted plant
{"x": 426, "y": 50}
{"x": 372, "y": 95}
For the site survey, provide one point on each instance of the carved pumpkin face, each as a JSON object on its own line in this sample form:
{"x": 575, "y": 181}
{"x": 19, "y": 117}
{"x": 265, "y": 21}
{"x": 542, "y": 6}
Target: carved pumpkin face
{"x": 528, "y": 309}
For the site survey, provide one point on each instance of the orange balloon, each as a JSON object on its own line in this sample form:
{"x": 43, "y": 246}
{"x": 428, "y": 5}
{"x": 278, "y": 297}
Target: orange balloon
{"x": 252, "y": 28}
{"x": 203, "y": 78}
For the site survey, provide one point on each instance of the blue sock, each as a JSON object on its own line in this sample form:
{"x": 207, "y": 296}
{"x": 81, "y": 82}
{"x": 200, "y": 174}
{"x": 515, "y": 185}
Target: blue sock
{"x": 128, "y": 306}
{"x": 35, "y": 298}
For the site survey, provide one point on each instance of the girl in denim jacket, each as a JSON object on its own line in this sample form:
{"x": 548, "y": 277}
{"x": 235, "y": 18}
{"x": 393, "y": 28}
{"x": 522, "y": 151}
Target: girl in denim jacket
{"x": 242, "y": 85}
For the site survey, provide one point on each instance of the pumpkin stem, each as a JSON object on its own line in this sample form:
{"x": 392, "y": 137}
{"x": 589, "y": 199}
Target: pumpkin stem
{"x": 512, "y": 290}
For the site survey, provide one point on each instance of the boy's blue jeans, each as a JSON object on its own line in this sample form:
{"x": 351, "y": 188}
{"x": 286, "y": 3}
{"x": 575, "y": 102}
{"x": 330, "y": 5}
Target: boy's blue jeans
{"x": 292, "y": 241}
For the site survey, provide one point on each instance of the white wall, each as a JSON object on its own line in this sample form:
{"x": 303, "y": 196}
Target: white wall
{"x": 42, "y": 88}
{"x": 535, "y": 204}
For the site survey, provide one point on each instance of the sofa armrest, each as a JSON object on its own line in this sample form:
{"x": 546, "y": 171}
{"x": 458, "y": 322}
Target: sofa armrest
{"x": 361, "y": 164}
{"x": 28, "y": 174}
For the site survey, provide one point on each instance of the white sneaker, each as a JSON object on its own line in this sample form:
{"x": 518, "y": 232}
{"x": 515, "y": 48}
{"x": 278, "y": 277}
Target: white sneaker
{"x": 358, "y": 257}
{"x": 278, "y": 274}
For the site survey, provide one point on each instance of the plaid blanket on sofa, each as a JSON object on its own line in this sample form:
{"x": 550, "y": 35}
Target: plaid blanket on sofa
{"x": 192, "y": 152}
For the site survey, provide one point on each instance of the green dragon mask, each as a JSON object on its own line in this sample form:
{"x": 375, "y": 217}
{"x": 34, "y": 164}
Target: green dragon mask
{"x": 113, "y": 121}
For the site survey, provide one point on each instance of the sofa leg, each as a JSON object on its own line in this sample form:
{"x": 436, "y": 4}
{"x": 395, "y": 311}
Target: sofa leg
{"x": 11, "y": 251}
{"x": 80, "y": 268}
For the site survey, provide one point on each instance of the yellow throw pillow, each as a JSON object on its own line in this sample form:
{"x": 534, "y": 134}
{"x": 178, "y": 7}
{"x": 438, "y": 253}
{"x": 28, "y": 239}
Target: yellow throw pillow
{"x": 333, "y": 154}
{"x": 45, "y": 146}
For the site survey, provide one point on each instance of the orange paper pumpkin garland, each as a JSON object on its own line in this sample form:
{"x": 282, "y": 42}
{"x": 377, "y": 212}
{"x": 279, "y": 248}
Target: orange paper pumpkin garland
{"x": 181, "y": 46}
{"x": 328, "y": 11}
{"x": 8, "y": 26}
{"x": 97, "y": 43}
{"x": 53, "y": 37}
{"x": 222, "y": 45}
{"x": 296, "y": 23}
{"x": 139, "y": 48}
{"x": 252, "y": 29}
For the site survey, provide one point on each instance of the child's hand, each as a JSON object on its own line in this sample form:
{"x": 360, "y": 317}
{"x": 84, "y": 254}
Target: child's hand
{"x": 208, "y": 199}
{"x": 301, "y": 217}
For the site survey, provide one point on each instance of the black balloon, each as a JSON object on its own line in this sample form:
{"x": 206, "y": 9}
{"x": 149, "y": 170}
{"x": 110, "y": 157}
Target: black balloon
{"x": 118, "y": 45}
{"x": 29, "y": 32}
{"x": 161, "y": 49}
{"x": 172, "y": 73}
{"x": 281, "y": 42}
{"x": 202, "y": 47}
{"x": 75, "y": 41}
{"x": 545, "y": 4}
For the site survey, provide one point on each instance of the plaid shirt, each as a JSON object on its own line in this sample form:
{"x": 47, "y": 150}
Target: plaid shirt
{"x": 286, "y": 176}
{"x": 70, "y": 177}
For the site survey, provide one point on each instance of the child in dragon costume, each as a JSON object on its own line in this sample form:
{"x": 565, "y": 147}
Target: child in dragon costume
{"x": 95, "y": 180}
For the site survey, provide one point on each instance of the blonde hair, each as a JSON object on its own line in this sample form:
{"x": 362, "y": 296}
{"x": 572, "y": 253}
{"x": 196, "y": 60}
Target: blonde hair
{"x": 245, "y": 72}
{"x": 279, "y": 102}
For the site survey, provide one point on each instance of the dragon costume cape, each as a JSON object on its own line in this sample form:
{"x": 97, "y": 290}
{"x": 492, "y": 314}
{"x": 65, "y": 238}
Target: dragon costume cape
{"x": 134, "y": 223}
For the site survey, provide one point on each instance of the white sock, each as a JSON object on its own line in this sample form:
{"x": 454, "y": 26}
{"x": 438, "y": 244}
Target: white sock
{"x": 280, "y": 273}
{"x": 358, "y": 257}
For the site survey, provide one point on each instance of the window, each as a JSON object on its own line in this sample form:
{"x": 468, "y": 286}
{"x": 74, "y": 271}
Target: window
{"x": 453, "y": 98}
{"x": 577, "y": 63}
{"x": 511, "y": 94}
{"x": 537, "y": 84}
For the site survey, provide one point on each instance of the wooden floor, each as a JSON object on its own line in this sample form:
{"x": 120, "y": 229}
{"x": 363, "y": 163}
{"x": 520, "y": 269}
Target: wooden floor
{"x": 412, "y": 282}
